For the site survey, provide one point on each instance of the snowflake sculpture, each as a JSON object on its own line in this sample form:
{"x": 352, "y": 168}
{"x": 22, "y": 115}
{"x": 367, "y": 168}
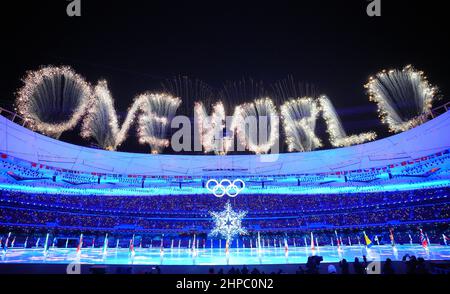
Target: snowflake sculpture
{"x": 228, "y": 222}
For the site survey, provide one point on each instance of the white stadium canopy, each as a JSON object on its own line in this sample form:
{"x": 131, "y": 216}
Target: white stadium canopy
{"x": 426, "y": 139}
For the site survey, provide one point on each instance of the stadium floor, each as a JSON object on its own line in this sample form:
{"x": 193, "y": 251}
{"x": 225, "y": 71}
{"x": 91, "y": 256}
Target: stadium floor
{"x": 216, "y": 256}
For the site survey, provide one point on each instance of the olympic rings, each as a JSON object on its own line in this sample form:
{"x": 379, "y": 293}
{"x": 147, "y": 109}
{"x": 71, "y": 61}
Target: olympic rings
{"x": 225, "y": 187}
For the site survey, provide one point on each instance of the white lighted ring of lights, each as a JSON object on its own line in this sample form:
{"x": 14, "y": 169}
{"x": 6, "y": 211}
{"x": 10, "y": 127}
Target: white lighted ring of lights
{"x": 228, "y": 189}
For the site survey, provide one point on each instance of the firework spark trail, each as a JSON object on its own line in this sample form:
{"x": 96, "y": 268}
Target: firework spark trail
{"x": 236, "y": 92}
{"x": 154, "y": 121}
{"x": 257, "y": 125}
{"x": 211, "y": 128}
{"x": 49, "y": 96}
{"x": 338, "y": 136}
{"x": 54, "y": 99}
{"x": 189, "y": 90}
{"x": 290, "y": 88}
{"x": 299, "y": 120}
{"x": 402, "y": 97}
{"x": 101, "y": 121}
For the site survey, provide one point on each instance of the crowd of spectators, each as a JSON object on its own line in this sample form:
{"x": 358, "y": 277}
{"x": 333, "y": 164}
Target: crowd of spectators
{"x": 256, "y": 204}
{"x": 275, "y": 216}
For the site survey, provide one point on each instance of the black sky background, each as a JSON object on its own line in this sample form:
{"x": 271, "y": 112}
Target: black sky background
{"x": 137, "y": 44}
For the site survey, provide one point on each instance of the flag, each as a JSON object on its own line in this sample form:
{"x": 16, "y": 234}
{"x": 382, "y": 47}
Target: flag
{"x": 161, "y": 246}
{"x": 286, "y": 248}
{"x": 105, "y": 244}
{"x": 131, "y": 249}
{"x": 194, "y": 244}
{"x": 338, "y": 243}
{"x": 391, "y": 236}
{"x": 46, "y": 243}
{"x": 259, "y": 243}
{"x": 7, "y": 241}
{"x": 368, "y": 241}
{"x": 423, "y": 239}
{"x": 80, "y": 244}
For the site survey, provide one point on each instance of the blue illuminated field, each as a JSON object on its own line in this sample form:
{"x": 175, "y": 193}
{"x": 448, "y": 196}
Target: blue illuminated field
{"x": 216, "y": 256}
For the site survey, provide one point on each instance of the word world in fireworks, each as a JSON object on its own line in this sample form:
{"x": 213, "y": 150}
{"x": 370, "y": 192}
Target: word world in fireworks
{"x": 56, "y": 99}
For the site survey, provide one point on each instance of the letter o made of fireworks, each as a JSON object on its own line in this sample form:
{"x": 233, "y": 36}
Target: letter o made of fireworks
{"x": 52, "y": 92}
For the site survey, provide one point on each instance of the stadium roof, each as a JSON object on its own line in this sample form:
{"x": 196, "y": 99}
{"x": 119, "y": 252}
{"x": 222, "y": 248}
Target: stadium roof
{"x": 426, "y": 139}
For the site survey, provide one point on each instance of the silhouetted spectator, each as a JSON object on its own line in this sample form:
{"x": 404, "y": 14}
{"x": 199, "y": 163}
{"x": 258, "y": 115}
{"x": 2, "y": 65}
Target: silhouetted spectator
{"x": 343, "y": 264}
{"x": 365, "y": 264}
{"x": 255, "y": 271}
{"x": 411, "y": 263}
{"x": 387, "y": 268}
{"x": 358, "y": 267}
{"x": 311, "y": 266}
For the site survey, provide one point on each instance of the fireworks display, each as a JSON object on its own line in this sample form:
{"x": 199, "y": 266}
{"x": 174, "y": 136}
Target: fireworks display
{"x": 154, "y": 121}
{"x": 257, "y": 125}
{"x": 338, "y": 136}
{"x": 290, "y": 88}
{"x": 101, "y": 122}
{"x": 299, "y": 120}
{"x": 402, "y": 96}
{"x": 238, "y": 92}
{"x": 211, "y": 128}
{"x": 53, "y": 99}
{"x": 189, "y": 90}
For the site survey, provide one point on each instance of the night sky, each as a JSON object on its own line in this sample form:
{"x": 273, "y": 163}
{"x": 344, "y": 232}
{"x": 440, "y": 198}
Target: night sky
{"x": 135, "y": 45}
